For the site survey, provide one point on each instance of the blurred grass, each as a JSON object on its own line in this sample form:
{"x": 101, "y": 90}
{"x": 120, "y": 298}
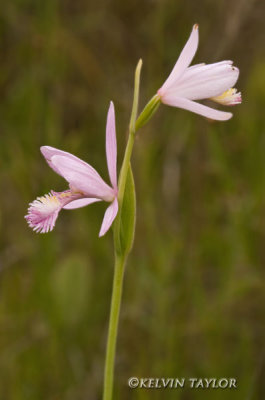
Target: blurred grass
{"x": 194, "y": 289}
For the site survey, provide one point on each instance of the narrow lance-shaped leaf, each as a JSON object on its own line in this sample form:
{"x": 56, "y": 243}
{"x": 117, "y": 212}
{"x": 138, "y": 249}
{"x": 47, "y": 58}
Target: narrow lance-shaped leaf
{"x": 128, "y": 214}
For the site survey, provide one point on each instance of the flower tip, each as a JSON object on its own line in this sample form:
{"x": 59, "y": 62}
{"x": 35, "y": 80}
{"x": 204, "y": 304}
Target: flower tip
{"x": 46, "y": 151}
{"x": 139, "y": 65}
{"x": 196, "y": 26}
{"x": 102, "y": 231}
{"x": 42, "y": 149}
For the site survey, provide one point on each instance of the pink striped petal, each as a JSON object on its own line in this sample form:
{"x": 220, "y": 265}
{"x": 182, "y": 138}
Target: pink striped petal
{"x": 80, "y": 203}
{"x": 111, "y": 146}
{"x": 203, "y": 70}
{"x": 83, "y": 178}
{"x": 109, "y": 217}
{"x": 184, "y": 59}
{"x": 198, "y": 108}
{"x": 204, "y": 82}
{"x": 48, "y": 152}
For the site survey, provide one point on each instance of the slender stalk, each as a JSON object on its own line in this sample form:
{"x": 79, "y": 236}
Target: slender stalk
{"x": 113, "y": 325}
{"x": 120, "y": 254}
{"x": 129, "y": 147}
{"x": 125, "y": 166}
{"x": 127, "y": 156}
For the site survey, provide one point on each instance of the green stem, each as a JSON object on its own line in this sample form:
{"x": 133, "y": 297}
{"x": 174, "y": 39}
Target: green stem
{"x": 129, "y": 147}
{"x": 120, "y": 254}
{"x": 125, "y": 166}
{"x": 113, "y": 325}
{"x": 127, "y": 157}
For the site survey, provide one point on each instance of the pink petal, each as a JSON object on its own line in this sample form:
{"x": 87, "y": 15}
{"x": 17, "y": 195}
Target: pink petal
{"x": 204, "y": 82}
{"x": 184, "y": 59}
{"x": 109, "y": 217}
{"x": 202, "y": 70}
{"x": 80, "y": 203}
{"x": 198, "y": 108}
{"x": 111, "y": 146}
{"x": 48, "y": 152}
{"x": 83, "y": 178}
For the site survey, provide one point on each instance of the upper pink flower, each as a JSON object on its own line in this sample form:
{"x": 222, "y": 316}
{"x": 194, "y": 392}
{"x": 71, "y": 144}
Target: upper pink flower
{"x": 85, "y": 185}
{"x": 201, "y": 81}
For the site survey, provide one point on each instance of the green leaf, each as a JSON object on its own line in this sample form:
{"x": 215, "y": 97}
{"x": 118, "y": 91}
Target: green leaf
{"x": 128, "y": 214}
{"x": 135, "y": 95}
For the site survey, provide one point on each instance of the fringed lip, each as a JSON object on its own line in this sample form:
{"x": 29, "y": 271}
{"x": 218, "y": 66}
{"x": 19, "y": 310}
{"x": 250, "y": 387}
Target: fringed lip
{"x": 43, "y": 212}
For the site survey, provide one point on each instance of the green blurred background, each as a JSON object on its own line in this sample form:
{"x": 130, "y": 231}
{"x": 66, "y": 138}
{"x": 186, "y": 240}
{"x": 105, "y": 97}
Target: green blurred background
{"x": 193, "y": 303}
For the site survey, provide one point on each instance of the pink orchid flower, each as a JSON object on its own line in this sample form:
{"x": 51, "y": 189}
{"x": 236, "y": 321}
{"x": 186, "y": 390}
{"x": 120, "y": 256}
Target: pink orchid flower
{"x": 85, "y": 185}
{"x": 201, "y": 81}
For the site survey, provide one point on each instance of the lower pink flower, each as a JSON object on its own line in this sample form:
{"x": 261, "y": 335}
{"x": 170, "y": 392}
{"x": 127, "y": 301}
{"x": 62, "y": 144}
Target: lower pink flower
{"x": 85, "y": 185}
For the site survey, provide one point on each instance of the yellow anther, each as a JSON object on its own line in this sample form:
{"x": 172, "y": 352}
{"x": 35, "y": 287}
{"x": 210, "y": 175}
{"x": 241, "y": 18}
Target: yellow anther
{"x": 228, "y": 98}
